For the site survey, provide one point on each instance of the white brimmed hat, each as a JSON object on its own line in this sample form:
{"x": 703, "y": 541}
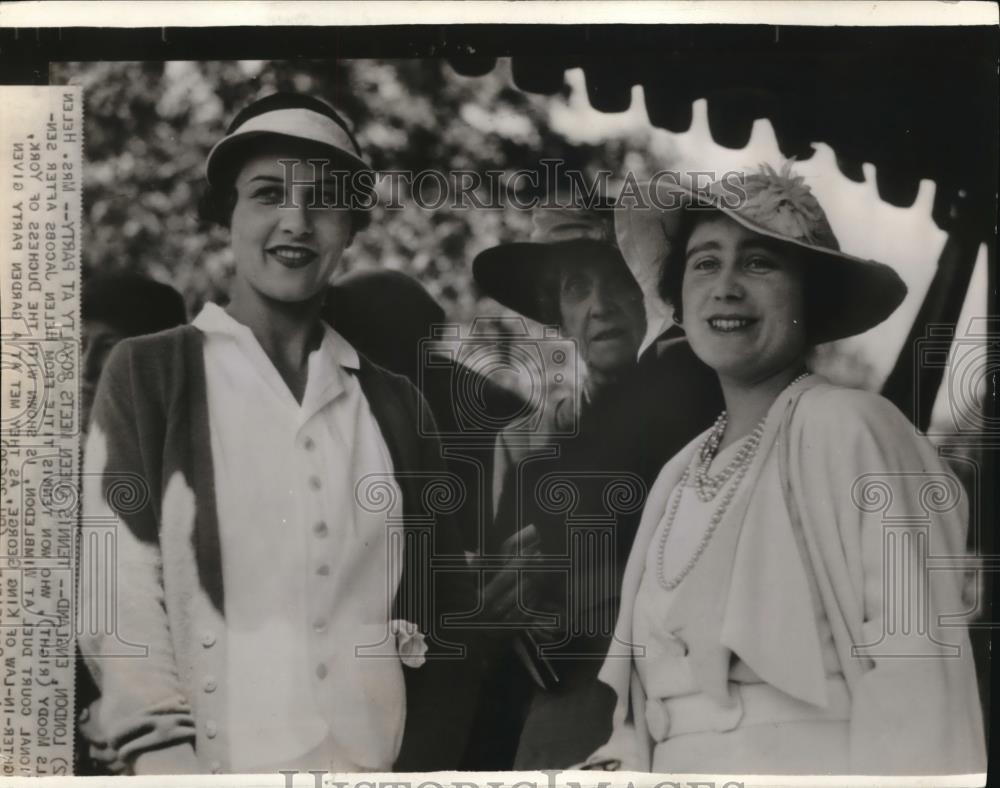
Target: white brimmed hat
{"x": 295, "y": 116}
{"x": 846, "y": 295}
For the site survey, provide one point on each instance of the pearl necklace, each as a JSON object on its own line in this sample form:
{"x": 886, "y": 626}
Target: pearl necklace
{"x": 707, "y": 487}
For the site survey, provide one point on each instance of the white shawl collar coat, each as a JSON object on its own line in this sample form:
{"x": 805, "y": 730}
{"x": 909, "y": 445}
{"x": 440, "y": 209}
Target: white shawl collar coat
{"x": 866, "y": 490}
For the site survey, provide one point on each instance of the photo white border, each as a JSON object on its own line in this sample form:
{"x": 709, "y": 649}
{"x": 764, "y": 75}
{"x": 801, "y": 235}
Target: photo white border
{"x": 349, "y": 13}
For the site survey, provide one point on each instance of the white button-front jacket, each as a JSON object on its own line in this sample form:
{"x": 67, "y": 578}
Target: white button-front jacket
{"x": 152, "y": 596}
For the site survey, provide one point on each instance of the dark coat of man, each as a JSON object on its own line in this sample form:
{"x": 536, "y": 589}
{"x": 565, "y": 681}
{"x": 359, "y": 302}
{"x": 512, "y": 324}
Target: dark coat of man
{"x": 584, "y": 493}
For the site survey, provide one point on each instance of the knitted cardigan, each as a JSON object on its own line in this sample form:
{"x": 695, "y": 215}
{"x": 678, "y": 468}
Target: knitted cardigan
{"x": 150, "y": 437}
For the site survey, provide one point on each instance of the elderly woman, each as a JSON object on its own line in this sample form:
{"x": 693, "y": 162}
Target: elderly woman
{"x": 267, "y": 616}
{"x": 610, "y": 436}
{"x": 777, "y": 613}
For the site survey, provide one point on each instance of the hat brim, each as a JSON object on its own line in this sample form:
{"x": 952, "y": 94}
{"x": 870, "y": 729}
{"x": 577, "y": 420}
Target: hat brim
{"x": 221, "y": 156}
{"x": 511, "y": 274}
{"x": 846, "y": 295}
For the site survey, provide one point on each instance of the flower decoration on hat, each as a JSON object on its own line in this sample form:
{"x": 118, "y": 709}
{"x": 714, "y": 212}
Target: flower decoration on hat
{"x": 777, "y": 205}
{"x": 782, "y": 203}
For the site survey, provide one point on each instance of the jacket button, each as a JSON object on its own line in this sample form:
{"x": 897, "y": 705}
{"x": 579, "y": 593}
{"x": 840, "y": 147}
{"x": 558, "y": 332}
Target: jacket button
{"x": 323, "y": 570}
{"x": 211, "y": 729}
{"x": 315, "y": 482}
{"x": 320, "y": 528}
{"x": 208, "y": 640}
{"x": 321, "y": 671}
{"x": 210, "y": 684}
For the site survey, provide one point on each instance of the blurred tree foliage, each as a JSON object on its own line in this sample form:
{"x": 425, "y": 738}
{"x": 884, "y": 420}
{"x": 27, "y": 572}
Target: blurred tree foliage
{"x": 149, "y": 127}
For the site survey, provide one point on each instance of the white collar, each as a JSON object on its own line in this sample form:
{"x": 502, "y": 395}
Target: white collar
{"x": 213, "y": 319}
{"x": 327, "y": 378}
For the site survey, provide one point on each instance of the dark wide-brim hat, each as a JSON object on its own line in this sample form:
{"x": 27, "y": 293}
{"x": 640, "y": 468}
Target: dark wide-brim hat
{"x": 512, "y": 273}
{"x": 131, "y": 304}
{"x": 293, "y": 116}
{"x": 358, "y": 305}
{"x": 846, "y": 295}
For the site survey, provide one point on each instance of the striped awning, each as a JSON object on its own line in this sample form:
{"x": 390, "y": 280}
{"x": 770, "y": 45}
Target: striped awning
{"x": 916, "y": 103}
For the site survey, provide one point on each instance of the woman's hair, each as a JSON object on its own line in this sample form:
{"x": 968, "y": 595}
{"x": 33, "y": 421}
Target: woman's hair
{"x": 219, "y": 197}
{"x": 671, "y": 283}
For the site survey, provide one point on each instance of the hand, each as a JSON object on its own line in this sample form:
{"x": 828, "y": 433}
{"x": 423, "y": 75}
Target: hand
{"x": 602, "y": 765}
{"x": 550, "y": 634}
{"x": 509, "y": 587}
{"x": 176, "y": 759}
{"x": 99, "y": 750}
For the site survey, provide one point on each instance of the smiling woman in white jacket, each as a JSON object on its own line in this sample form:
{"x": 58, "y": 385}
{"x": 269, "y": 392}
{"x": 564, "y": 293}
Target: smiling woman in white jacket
{"x": 779, "y": 613}
{"x": 271, "y": 554}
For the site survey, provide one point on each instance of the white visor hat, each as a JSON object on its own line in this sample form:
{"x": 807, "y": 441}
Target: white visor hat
{"x": 296, "y": 123}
